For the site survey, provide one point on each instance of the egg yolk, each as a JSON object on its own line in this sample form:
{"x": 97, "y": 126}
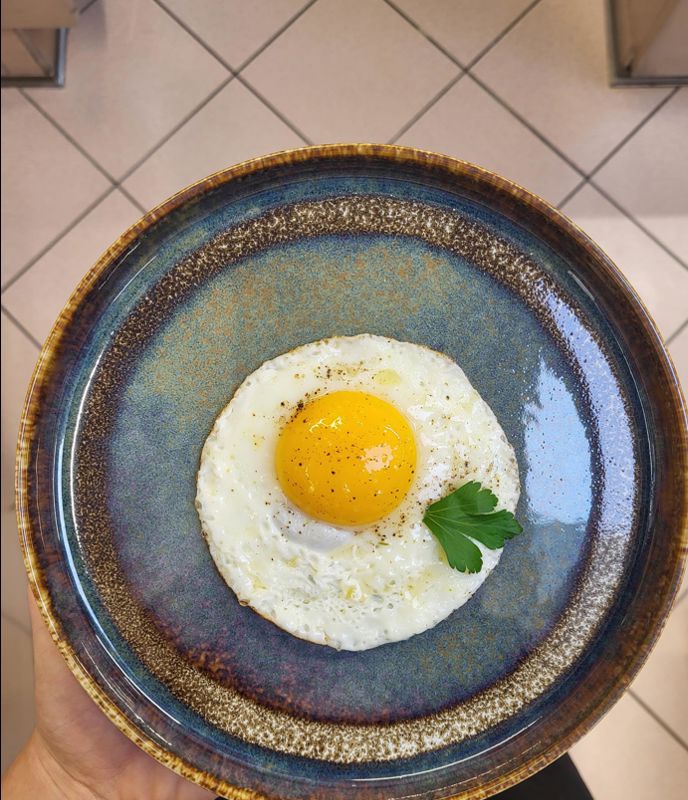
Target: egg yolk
{"x": 347, "y": 458}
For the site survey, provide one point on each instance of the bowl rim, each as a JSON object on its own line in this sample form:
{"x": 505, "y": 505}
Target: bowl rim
{"x": 394, "y": 154}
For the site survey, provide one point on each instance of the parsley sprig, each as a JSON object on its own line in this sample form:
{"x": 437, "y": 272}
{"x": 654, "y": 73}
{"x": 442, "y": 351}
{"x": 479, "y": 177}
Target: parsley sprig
{"x": 466, "y": 514}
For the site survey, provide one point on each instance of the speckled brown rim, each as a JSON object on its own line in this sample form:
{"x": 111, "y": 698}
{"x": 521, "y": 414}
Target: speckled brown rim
{"x": 50, "y": 356}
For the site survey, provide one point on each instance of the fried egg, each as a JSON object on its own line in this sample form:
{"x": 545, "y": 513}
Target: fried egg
{"x": 315, "y": 478}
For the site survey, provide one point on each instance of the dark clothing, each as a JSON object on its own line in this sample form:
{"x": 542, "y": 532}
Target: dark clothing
{"x": 559, "y": 781}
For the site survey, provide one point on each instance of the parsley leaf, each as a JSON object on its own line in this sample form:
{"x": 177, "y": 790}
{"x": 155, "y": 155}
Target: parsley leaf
{"x": 469, "y": 512}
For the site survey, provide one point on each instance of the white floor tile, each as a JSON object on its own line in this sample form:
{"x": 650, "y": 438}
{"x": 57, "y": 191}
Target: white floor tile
{"x": 463, "y": 27}
{"x": 659, "y": 279}
{"x": 629, "y": 756}
{"x": 353, "y": 71}
{"x": 469, "y": 124}
{"x": 663, "y": 681}
{"x": 649, "y": 175}
{"x": 234, "y": 126}
{"x": 235, "y": 29}
{"x": 133, "y": 74}
{"x": 17, "y": 690}
{"x": 682, "y": 595}
{"x": 46, "y": 182}
{"x": 678, "y": 350}
{"x": 38, "y": 296}
{"x": 552, "y": 69}
{"x": 18, "y": 359}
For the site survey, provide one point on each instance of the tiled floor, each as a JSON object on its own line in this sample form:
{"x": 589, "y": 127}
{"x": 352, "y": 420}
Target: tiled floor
{"x": 161, "y": 92}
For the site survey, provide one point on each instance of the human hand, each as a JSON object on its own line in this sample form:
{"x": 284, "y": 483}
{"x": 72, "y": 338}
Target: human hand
{"x": 75, "y": 752}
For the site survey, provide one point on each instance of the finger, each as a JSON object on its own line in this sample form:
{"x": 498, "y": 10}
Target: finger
{"x": 55, "y": 686}
{"x": 61, "y": 701}
{"x": 48, "y": 662}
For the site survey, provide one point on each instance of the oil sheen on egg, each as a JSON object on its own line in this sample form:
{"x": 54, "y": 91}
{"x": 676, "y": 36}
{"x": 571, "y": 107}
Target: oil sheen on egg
{"x": 315, "y": 477}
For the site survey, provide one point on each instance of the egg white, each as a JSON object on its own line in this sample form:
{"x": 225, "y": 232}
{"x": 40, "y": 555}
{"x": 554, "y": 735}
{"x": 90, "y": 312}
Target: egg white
{"x": 351, "y": 589}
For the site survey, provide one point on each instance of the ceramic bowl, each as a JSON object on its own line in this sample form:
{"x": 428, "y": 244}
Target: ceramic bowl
{"x": 338, "y": 240}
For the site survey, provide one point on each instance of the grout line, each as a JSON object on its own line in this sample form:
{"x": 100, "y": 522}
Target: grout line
{"x": 570, "y": 195}
{"x": 18, "y": 324}
{"x": 675, "y": 335}
{"x": 86, "y": 7}
{"x": 527, "y": 124}
{"x": 622, "y": 210}
{"x": 275, "y": 35}
{"x": 57, "y": 238}
{"x": 645, "y": 230}
{"x": 130, "y": 197}
{"x": 24, "y": 628}
{"x": 466, "y": 68}
{"x": 655, "y": 716}
{"x": 239, "y": 77}
{"x": 274, "y": 110}
{"x": 68, "y": 137}
{"x": 424, "y": 110}
{"x": 482, "y": 85}
{"x": 499, "y": 38}
{"x": 618, "y": 147}
{"x": 194, "y": 35}
{"x": 425, "y": 34}
{"x": 187, "y": 118}
{"x": 633, "y": 132}
{"x": 118, "y": 182}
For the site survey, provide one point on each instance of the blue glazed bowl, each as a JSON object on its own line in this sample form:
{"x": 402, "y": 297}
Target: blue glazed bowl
{"x": 300, "y": 246}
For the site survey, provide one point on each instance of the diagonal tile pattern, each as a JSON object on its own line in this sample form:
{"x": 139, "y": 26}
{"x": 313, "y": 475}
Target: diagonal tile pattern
{"x": 151, "y": 104}
{"x": 232, "y": 127}
{"x": 235, "y": 29}
{"x": 119, "y": 101}
{"x": 628, "y": 754}
{"x": 46, "y": 183}
{"x": 649, "y": 175}
{"x": 339, "y": 80}
{"x": 561, "y": 86}
{"x": 37, "y": 297}
{"x": 659, "y": 279}
{"x": 670, "y": 657}
{"x": 471, "y": 125}
{"x": 463, "y": 27}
